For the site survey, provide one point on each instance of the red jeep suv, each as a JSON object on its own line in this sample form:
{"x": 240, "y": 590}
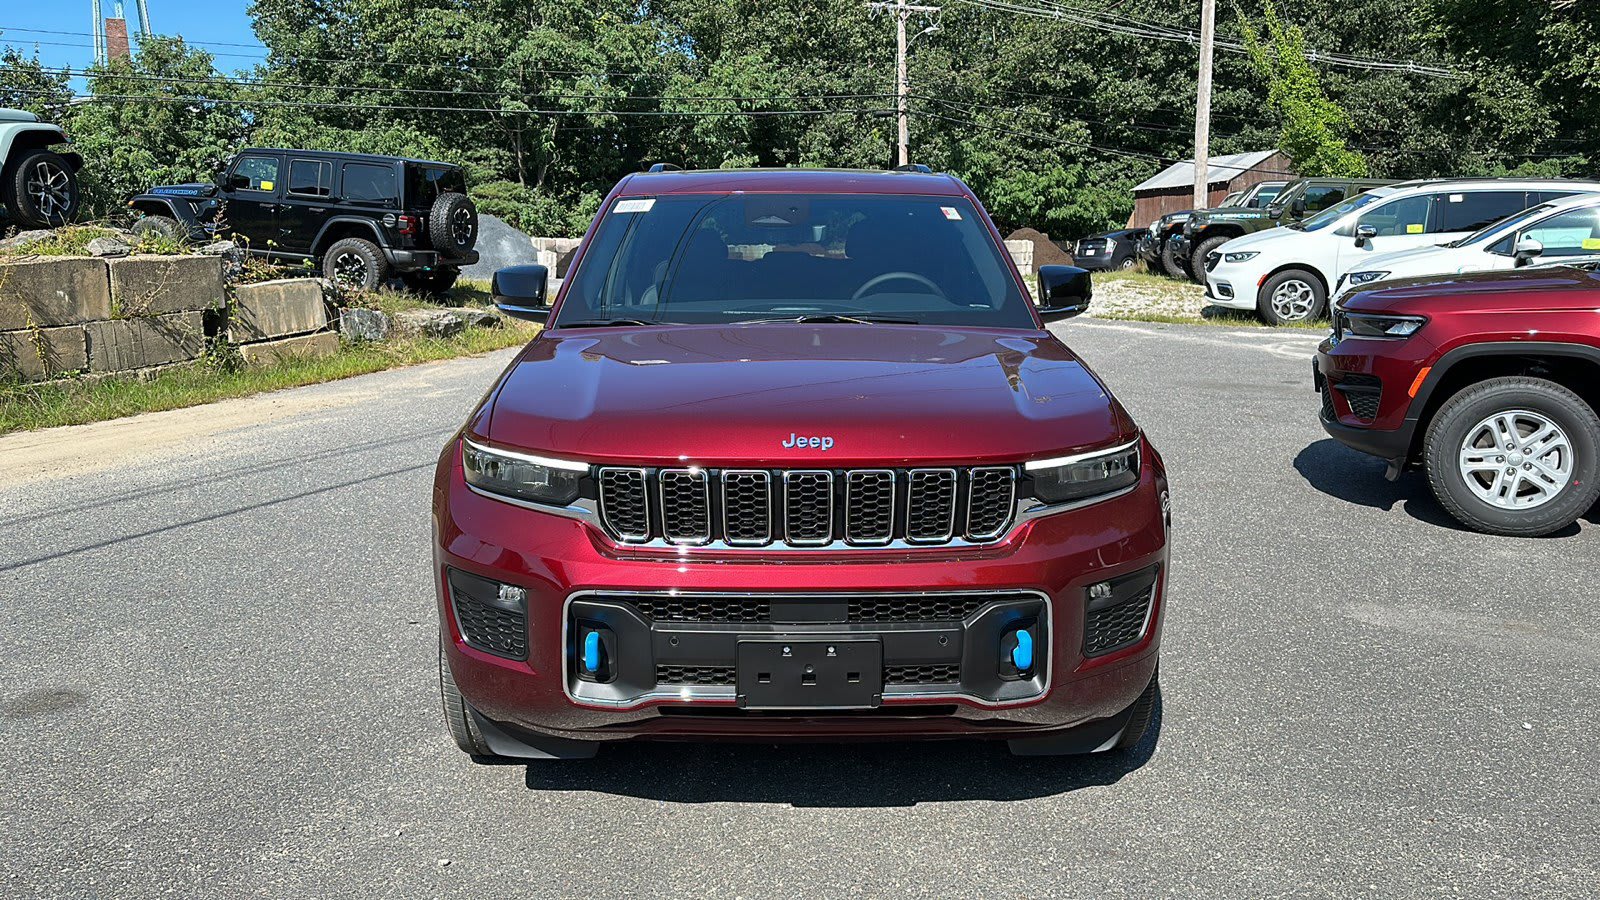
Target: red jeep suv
{"x": 796, "y": 459}
{"x": 1488, "y": 381}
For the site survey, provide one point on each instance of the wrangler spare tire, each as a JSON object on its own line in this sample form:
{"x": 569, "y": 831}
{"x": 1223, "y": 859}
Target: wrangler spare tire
{"x": 453, "y": 224}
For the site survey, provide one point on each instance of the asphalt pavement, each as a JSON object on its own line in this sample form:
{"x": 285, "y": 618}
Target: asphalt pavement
{"x": 217, "y": 679}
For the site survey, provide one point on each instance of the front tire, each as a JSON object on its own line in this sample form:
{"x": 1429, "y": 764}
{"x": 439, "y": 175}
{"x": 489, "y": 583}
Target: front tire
{"x": 1292, "y": 297}
{"x": 42, "y": 190}
{"x": 1197, "y": 260}
{"x": 1169, "y": 262}
{"x": 458, "y": 715}
{"x": 158, "y": 226}
{"x": 355, "y": 264}
{"x": 1515, "y": 456}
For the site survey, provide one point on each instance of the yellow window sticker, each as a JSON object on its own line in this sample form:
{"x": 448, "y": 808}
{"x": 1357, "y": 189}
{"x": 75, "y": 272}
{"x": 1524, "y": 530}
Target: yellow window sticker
{"x": 1591, "y": 243}
{"x": 266, "y": 185}
{"x": 1413, "y": 229}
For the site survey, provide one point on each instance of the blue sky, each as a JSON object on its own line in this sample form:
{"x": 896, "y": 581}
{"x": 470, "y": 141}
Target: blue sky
{"x": 196, "y": 20}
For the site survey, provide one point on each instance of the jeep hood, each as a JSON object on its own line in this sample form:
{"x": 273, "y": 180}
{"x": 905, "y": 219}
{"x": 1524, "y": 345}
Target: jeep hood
{"x": 192, "y": 189}
{"x": 732, "y": 395}
{"x": 1542, "y": 289}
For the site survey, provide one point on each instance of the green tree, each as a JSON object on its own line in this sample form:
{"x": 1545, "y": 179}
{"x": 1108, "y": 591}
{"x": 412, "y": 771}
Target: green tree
{"x": 26, "y": 84}
{"x": 1312, "y": 125}
{"x": 160, "y": 117}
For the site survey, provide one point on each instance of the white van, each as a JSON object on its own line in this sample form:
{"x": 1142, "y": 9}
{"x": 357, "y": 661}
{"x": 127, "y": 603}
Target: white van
{"x": 1286, "y": 274}
{"x": 1549, "y": 232}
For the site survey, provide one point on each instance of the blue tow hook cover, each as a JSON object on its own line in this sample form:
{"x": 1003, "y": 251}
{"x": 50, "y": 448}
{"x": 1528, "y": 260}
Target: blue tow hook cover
{"x": 591, "y": 652}
{"x": 1022, "y": 653}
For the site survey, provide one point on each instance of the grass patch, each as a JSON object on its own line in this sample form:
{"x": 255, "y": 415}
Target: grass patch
{"x": 1138, "y": 296}
{"x": 73, "y": 240}
{"x": 27, "y": 407}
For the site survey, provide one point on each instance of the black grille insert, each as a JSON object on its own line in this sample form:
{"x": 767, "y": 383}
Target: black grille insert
{"x": 917, "y": 607}
{"x": 1117, "y": 619}
{"x": 713, "y": 675}
{"x": 625, "y": 503}
{"x": 747, "y": 507}
{"x": 488, "y": 622}
{"x": 685, "y": 506}
{"x": 706, "y": 608}
{"x": 1362, "y": 393}
{"x": 939, "y": 674}
{"x": 869, "y": 506}
{"x": 931, "y": 505}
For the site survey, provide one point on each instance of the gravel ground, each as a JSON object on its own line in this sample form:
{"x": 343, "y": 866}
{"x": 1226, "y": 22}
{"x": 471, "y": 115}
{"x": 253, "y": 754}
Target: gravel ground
{"x": 217, "y": 679}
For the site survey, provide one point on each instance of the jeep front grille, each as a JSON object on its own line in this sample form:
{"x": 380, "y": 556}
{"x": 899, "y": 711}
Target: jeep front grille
{"x": 807, "y": 507}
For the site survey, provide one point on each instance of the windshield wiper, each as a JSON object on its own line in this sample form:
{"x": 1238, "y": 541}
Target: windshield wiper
{"x": 832, "y": 318}
{"x": 604, "y": 323}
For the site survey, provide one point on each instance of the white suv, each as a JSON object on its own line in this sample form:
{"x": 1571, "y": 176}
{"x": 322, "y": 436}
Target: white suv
{"x": 1549, "y": 232}
{"x": 1286, "y": 273}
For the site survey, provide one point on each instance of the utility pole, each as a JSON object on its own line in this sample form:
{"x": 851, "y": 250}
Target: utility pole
{"x": 1202, "y": 105}
{"x": 901, "y": 10}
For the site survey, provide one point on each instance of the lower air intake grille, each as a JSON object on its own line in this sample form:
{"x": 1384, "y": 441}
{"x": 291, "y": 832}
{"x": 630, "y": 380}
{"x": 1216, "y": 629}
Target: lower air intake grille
{"x": 484, "y": 624}
{"x": 945, "y": 674}
{"x": 702, "y": 609}
{"x": 915, "y": 608}
{"x": 1119, "y": 621}
{"x": 1327, "y": 402}
{"x": 1362, "y": 392}
{"x": 700, "y": 675}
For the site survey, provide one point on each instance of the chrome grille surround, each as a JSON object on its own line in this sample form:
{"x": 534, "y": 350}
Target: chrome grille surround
{"x": 836, "y": 509}
{"x": 627, "y": 514}
{"x": 685, "y": 506}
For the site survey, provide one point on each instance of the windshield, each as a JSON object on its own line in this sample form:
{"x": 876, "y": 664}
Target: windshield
{"x": 1495, "y": 229}
{"x": 1334, "y": 213}
{"x": 697, "y": 258}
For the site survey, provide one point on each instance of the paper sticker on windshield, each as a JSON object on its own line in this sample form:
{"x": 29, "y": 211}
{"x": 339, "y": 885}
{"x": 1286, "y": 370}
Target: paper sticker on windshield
{"x": 634, "y": 206}
{"x": 1591, "y": 243}
{"x": 1413, "y": 229}
{"x": 951, "y": 213}
{"x": 1457, "y": 198}
{"x": 266, "y": 185}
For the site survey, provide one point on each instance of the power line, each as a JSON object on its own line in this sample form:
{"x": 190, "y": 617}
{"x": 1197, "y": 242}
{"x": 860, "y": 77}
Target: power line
{"x": 303, "y": 104}
{"x": 1126, "y": 25}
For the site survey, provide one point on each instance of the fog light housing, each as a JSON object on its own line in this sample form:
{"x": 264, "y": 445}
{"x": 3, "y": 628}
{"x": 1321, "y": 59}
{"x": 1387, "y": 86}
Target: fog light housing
{"x": 490, "y": 616}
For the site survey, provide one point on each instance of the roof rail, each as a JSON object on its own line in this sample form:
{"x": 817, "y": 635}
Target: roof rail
{"x": 664, "y": 167}
{"x": 915, "y": 167}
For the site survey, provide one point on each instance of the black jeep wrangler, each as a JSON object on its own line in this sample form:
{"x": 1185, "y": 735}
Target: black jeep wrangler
{"x": 365, "y": 219}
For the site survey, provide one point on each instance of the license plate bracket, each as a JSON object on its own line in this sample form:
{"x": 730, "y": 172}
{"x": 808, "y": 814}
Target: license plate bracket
{"x": 783, "y": 673}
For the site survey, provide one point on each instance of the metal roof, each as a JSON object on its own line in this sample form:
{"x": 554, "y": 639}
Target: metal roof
{"x": 1218, "y": 169}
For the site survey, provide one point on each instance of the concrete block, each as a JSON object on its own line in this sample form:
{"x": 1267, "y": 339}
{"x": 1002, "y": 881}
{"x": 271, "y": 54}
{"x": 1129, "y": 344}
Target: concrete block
{"x": 325, "y": 343}
{"x": 122, "y": 344}
{"x": 154, "y": 285}
{"x": 1021, "y": 254}
{"x": 50, "y": 291}
{"x": 276, "y": 309}
{"x": 46, "y": 353}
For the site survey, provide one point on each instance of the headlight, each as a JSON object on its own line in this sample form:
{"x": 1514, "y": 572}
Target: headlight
{"x": 1241, "y": 256}
{"x": 519, "y": 475}
{"x": 1368, "y": 325}
{"x": 1085, "y": 475}
{"x": 1359, "y": 278}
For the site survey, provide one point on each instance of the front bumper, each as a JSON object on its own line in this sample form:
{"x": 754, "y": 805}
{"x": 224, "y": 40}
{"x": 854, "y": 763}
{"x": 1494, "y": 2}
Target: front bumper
{"x": 1367, "y": 388}
{"x": 575, "y": 579}
{"x": 1234, "y": 285}
{"x": 1181, "y": 247}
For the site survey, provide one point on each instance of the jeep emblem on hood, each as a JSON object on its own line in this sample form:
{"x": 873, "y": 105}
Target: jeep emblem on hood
{"x": 822, "y": 442}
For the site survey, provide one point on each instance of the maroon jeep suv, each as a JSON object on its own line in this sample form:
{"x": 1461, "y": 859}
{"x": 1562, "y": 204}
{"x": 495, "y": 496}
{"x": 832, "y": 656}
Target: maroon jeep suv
{"x": 796, "y": 459}
{"x": 1487, "y": 381}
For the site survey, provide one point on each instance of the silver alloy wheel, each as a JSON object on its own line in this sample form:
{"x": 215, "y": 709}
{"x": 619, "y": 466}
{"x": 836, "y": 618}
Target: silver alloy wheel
{"x": 50, "y": 188}
{"x": 350, "y": 269}
{"x": 1293, "y": 300}
{"x": 1516, "y": 459}
{"x": 461, "y": 227}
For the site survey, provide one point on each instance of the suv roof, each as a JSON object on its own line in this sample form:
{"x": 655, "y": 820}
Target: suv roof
{"x": 818, "y": 181}
{"x": 363, "y": 157}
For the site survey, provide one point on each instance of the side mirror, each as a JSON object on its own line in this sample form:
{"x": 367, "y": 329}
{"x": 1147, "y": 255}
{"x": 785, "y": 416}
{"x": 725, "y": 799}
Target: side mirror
{"x": 519, "y": 292}
{"x": 1365, "y": 233}
{"x": 1527, "y": 248}
{"x": 237, "y": 182}
{"x": 1064, "y": 292}
{"x": 1298, "y": 207}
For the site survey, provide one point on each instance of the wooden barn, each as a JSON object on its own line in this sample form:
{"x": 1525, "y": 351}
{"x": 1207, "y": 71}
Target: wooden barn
{"x": 1172, "y": 189}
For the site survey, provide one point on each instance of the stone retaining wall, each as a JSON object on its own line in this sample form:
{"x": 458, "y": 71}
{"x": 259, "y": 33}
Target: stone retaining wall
{"x": 63, "y": 316}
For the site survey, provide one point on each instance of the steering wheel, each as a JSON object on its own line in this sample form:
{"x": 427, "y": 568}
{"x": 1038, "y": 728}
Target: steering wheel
{"x": 866, "y": 289}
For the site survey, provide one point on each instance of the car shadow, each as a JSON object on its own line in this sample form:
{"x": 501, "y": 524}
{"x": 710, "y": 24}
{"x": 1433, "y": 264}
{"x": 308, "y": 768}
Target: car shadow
{"x": 836, "y": 775}
{"x": 1355, "y": 477}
